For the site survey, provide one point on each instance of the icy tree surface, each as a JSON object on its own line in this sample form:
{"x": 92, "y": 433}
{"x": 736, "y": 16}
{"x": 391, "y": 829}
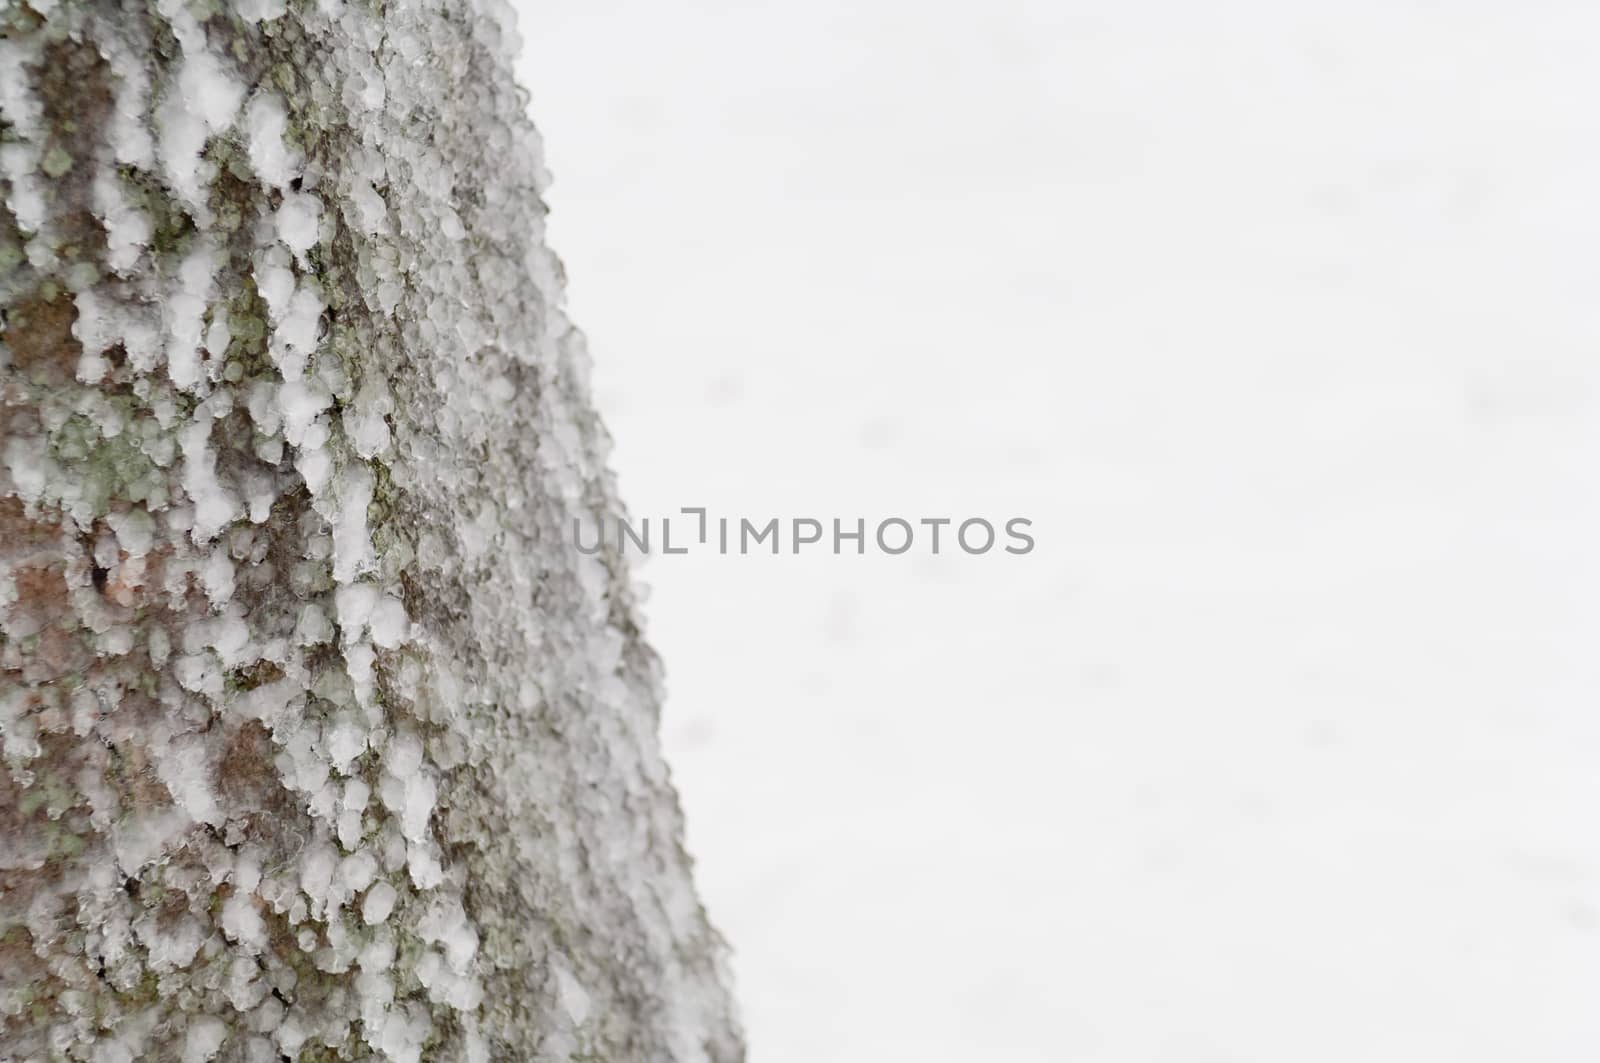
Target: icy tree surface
{"x": 318, "y": 743}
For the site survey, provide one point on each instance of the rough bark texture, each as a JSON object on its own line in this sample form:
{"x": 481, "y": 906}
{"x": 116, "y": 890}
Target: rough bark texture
{"x": 317, "y": 741}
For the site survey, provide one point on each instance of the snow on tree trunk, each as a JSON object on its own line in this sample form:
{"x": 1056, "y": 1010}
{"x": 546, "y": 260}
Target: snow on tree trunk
{"x": 318, "y": 742}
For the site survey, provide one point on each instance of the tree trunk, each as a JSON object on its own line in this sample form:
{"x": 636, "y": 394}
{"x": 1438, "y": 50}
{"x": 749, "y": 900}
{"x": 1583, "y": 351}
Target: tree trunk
{"x": 319, "y": 739}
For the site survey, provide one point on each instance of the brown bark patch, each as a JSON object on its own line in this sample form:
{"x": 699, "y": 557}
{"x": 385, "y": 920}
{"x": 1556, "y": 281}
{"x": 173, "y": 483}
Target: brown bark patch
{"x": 39, "y": 333}
{"x": 254, "y": 797}
{"x": 41, "y": 600}
{"x": 76, "y": 91}
{"x": 21, "y": 534}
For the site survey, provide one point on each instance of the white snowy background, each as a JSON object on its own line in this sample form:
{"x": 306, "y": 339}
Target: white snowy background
{"x": 1281, "y": 321}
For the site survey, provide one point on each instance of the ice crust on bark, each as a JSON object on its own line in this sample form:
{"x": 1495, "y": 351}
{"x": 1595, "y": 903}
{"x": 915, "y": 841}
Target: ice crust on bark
{"x": 316, "y": 742}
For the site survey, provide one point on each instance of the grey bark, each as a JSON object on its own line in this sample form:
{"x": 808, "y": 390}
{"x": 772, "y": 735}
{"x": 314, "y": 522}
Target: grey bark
{"x": 318, "y": 741}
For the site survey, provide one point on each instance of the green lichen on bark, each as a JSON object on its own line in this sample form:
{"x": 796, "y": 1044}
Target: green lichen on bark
{"x": 316, "y": 742}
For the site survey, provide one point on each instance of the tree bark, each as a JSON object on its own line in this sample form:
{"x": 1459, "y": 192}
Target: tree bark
{"x": 319, "y": 740}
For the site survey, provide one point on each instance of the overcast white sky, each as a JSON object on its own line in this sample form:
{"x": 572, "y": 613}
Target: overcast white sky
{"x": 1280, "y": 320}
